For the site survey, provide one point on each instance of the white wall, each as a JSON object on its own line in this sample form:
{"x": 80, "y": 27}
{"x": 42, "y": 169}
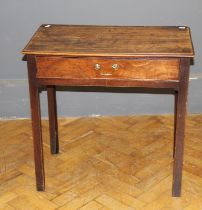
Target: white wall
{"x": 19, "y": 20}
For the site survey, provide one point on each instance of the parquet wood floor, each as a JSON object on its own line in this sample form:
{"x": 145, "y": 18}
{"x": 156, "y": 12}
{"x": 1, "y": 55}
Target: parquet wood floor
{"x": 105, "y": 163}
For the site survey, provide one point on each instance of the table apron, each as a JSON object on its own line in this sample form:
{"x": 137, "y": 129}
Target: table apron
{"x": 109, "y": 83}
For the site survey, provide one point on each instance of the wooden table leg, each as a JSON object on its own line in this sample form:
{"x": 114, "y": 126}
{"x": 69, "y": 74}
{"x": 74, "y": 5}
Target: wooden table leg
{"x": 53, "y": 125}
{"x": 180, "y": 126}
{"x": 36, "y": 124}
{"x": 175, "y": 120}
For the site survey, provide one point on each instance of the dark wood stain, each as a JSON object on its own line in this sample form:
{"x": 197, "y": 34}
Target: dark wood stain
{"x": 83, "y": 68}
{"x": 181, "y": 107}
{"x": 149, "y": 57}
{"x": 53, "y": 123}
{"x": 36, "y": 124}
{"x": 76, "y": 40}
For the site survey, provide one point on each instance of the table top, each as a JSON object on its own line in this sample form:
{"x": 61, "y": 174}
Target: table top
{"x": 123, "y": 41}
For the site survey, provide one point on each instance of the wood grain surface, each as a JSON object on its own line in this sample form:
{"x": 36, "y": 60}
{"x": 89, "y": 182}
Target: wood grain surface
{"x": 76, "y": 40}
{"x": 83, "y": 68}
{"x": 85, "y": 55}
{"x": 104, "y": 163}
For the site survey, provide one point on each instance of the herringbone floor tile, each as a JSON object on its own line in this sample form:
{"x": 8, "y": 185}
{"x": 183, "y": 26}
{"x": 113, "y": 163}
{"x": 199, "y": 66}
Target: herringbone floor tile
{"x": 105, "y": 163}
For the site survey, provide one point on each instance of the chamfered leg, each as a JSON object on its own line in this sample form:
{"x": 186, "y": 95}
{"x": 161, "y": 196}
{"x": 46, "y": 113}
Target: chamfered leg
{"x": 53, "y": 125}
{"x": 180, "y": 126}
{"x": 36, "y": 123}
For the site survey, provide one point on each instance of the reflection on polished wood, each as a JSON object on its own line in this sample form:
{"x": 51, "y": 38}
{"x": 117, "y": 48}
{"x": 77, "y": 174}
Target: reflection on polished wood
{"x": 104, "y": 163}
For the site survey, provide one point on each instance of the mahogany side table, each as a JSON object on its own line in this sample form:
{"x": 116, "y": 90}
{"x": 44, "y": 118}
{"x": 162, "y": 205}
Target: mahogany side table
{"x": 109, "y": 56}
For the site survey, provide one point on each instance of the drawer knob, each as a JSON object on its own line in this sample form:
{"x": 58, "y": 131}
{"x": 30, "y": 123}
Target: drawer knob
{"x": 115, "y": 66}
{"x": 97, "y": 66}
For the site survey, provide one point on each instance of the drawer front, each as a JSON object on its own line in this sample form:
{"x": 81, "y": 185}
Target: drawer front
{"x": 87, "y": 68}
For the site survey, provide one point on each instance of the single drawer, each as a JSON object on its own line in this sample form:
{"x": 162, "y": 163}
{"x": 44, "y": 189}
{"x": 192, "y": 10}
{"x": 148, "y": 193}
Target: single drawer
{"x": 87, "y": 68}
